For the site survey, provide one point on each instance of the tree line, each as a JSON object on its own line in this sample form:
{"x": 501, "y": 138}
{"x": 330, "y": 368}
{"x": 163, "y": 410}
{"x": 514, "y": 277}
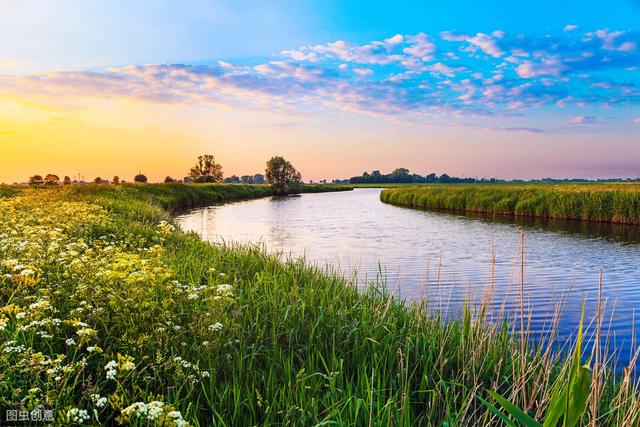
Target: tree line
{"x": 403, "y": 176}
{"x": 279, "y": 173}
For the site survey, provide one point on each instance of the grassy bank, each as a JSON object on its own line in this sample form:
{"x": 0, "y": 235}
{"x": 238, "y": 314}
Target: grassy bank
{"x": 606, "y": 202}
{"x": 110, "y": 315}
{"x": 174, "y": 197}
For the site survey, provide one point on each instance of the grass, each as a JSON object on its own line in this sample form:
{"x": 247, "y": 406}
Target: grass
{"x": 601, "y": 202}
{"x": 110, "y": 315}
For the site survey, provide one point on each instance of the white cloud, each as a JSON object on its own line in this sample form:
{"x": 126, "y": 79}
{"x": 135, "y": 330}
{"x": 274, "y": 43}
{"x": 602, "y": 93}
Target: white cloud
{"x": 636, "y": 120}
{"x": 582, "y": 120}
{"x": 441, "y": 68}
{"x": 363, "y": 71}
{"x": 609, "y": 39}
{"x": 487, "y": 44}
{"x": 395, "y": 40}
{"x": 570, "y": 27}
{"x": 484, "y": 42}
{"x": 420, "y": 47}
{"x": 300, "y": 55}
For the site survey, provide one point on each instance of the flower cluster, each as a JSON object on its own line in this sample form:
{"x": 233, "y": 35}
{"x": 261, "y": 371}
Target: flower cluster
{"x": 79, "y": 287}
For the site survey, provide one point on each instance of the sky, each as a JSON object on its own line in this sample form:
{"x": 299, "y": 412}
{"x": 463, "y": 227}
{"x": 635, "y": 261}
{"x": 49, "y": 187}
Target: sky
{"x": 489, "y": 89}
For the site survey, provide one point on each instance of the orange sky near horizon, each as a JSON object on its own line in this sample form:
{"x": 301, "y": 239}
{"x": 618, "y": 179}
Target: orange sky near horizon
{"x": 96, "y": 137}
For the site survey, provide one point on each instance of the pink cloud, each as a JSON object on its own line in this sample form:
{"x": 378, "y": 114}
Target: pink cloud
{"x": 548, "y": 67}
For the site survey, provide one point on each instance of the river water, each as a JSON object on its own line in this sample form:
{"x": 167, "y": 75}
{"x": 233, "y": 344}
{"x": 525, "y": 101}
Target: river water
{"x": 449, "y": 259}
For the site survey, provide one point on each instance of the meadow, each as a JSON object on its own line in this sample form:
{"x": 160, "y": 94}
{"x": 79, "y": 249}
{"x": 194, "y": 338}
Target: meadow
{"x": 111, "y": 315}
{"x": 600, "y": 202}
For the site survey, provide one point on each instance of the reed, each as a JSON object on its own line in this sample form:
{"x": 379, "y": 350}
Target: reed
{"x": 601, "y": 202}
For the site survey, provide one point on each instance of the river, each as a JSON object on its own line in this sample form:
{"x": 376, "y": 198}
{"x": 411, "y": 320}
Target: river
{"x": 448, "y": 258}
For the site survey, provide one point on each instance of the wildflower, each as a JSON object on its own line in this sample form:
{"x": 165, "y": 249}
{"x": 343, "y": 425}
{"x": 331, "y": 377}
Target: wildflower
{"x": 111, "y": 369}
{"x": 151, "y": 411}
{"x": 94, "y": 348}
{"x": 78, "y": 416}
{"x": 177, "y": 419}
{"x": 98, "y": 400}
{"x": 70, "y": 341}
{"x": 86, "y": 332}
{"x": 215, "y": 327}
{"x": 125, "y": 363}
{"x": 165, "y": 227}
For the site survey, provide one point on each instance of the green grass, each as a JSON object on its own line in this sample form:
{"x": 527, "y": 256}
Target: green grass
{"x": 602, "y": 202}
{"x": 296, "y": 346}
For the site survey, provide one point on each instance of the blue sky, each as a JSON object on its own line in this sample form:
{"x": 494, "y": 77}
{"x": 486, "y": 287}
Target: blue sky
{"x": 49, "y": 35}
{"x": 549, "y": 71}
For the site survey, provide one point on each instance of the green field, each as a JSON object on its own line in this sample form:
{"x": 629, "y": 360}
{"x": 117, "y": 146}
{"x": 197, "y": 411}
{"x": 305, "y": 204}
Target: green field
{"x": 601, "y": 202}
{"x": 108, "y": 311}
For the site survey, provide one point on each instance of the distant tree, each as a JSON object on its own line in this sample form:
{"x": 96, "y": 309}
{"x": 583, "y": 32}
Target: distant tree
{"x": 51, "y": 179}
{"x": 246, "y": 179}
{"x": 36, "y": 180}
{"x": 258, "y": 178}
{"x": 187, "y": 180}
{"x": 444, "y": 178}
{"x": 140, "y": 178}
{"x": 282, "y": 176}
{"x": 116, "y": 180}
{"x": 66, "y": 180}
{"x": 233, "y": 179}
{"x": 98, "y": 180}
{"x": 206, "y": 170}
{"x": 168, "y": 179}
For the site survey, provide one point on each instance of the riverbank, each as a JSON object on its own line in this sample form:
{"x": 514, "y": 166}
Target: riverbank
{"x": 106, "y": 307}
{"x": 617, "y": 203}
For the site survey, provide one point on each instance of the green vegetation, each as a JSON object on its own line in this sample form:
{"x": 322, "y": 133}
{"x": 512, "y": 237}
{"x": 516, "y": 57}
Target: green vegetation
{"x": 110, "y": 315}
{"x": 282, "y": 175}
{"x": 602, "y": 202}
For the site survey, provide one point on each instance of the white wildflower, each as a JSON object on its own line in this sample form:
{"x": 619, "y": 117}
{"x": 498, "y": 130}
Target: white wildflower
{"x": 99, "y": 401}
{"x": 111, "y": 369}
{"x": 78, "y": 416}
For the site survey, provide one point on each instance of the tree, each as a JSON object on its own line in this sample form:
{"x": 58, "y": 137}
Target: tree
{"x": 206, "y": 170}
{"x": 51, "y": 179}
{"x": 233, "y": 179}
{"x": 36, "y": 180}
{"x": 168, "y": 179}
{"x": 116, "y": 180}
{"x": 140, "y": 178}
{"x": 66, "y": 180}
{"x": 246, "y": 179}
{"x": 98, "y": 180}
{"x": 258, "y": 178}
{"x": 282, "y": 176}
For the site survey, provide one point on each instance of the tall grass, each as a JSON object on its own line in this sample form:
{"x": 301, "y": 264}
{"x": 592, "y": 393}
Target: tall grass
{"x": 233, "y": 336}
{"x": 610, "y": 202}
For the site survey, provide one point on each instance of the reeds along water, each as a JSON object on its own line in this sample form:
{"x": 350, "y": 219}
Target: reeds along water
{"x": 546, "y": 357}
{"x": 598, "y": 202}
